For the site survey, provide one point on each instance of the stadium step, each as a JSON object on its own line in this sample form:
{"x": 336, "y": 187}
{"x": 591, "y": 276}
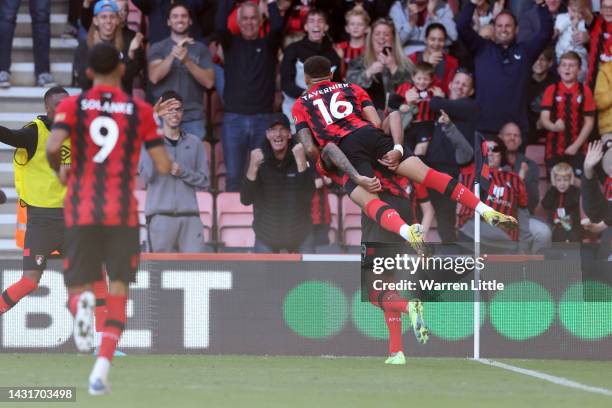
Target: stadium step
{"x": 24, "y": 24}
{"x": 22, "y": 73}
{"x": 18, "y": 99}
{"x": 62, "y": 49}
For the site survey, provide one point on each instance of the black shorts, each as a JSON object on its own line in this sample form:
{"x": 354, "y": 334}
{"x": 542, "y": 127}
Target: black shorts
{"x": 363, "y": 148}
{"x": 87, "y": 248}
{"x": 44, "y": 234}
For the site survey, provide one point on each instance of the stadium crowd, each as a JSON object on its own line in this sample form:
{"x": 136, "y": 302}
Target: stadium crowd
{"x": 525, "y": 85}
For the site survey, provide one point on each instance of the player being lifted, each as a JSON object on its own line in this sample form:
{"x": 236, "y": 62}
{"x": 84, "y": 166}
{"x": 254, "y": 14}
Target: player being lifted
{"x": 346, "y": 126}
{"x": 106, "y": 129}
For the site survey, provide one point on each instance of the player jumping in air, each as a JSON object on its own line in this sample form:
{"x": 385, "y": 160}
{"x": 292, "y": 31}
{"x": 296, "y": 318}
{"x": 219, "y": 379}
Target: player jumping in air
{"x": 342, "y": 119}
{"x": 106, "y": 128}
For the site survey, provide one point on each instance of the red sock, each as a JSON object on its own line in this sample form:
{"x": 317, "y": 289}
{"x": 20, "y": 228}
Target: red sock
{"x": 385, "y": 215}
{"x": 16, "y": 292}
{"x": 394, "y": 325}
{"x": 73, "y": 300}
{"x": 100, "y": 291}
{"x": 393, "y": 302}
{"x": 113, "y": 326}
{"x": 445, "y": 184}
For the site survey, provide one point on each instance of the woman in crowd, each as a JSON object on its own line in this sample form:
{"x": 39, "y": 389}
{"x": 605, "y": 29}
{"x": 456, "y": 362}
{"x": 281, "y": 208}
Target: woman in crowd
{"x": 383, "y": 66}
{"x": 444, "y": 64}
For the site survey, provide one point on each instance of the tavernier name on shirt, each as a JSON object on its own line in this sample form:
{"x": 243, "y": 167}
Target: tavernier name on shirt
{"x": 314, "y": 94}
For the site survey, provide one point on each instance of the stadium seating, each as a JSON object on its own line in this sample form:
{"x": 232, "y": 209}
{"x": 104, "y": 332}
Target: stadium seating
{"x": 234, "y": 221}
{"x": 537, "y": 153}
{"x": 351, "y": 222}
{"x": 205, "y": 204}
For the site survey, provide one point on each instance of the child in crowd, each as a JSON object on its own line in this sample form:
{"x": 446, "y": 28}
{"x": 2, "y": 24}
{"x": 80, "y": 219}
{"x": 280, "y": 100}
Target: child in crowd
{"x": 567, "y": 28}
{"x": 357, "y": 26}
{"x": 562, "y": 202}
{"x": 416, "y": 100}
{"x": 568, "y": 114}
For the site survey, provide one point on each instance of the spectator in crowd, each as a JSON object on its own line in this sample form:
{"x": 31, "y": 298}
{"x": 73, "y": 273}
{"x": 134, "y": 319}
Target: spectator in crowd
{"x": 280, "y": 186}
{"x": 106, "y": 27}
{"x": 502, "y": 68}
{"x": 184, "y": 65}
{"x": 505, "y": 191}
{"x": 462, "y": 110}
{"x": 485, "y": 14}
{"x": 417, "y": 95}
{"x": 571, "y": 34}
{"x": 444, "y": 64}
{"x": 40, "y": 12}
{"x": 413, "y": 17}
{"x": 357, "y": 26}
{"x": 172, "y": 212}
{"x": 597, "y": 204}
{"x": 250, "y": 72}
{"x": 568, "y": 113}
{"x": 541, "y": 78}
{"x": 529, "y": 22}
{"x": 383, "y": 66}
{"x": 316, "y": 42}
{"x": 600, "y": 47}
{"x": 562, "y": 203}
{"x": 88, "y": 7}
{"x": 158, "y": 11}
{"x": 603, "y": 98}
{"x": 527, "y": 171}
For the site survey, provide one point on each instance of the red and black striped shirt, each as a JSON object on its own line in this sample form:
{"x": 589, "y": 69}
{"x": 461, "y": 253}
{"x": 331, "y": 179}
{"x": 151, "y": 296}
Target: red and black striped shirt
{"x": 608, "y": 188}
{"x": 506, "y": 194}
{"x": 107, "y": 128}
{"x": 320, "y": 211}
{"x": 600, "y": 49}
{"x": 332, "y": 110}
{"x": 348, "y": 54}
{"x": 424, "y": 112}
{"x": 571, "y": 105}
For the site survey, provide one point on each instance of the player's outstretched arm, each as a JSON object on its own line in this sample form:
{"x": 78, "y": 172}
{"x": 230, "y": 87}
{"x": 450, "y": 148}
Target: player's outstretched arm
{"x": 304, "y": 136}
{"x": 371, "y": 115}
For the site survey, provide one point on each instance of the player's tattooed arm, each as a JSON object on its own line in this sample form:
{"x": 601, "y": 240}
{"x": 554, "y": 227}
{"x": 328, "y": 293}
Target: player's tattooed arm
{"x": 332, "y": 153}
{"x": 304, "y": 136}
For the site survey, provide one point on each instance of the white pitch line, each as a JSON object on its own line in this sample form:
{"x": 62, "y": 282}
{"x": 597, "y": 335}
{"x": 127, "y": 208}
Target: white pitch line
{"x": 547, "y": 377}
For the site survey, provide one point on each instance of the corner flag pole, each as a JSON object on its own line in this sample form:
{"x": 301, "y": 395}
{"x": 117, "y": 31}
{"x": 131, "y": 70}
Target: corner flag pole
{"x": 478, "y": 165}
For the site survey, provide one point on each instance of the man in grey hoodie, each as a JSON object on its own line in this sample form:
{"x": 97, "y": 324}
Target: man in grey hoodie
{"x": 172, "y": 209}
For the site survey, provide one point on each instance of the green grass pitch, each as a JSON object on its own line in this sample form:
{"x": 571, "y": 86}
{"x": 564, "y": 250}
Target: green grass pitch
{"x": 169, "y": 381}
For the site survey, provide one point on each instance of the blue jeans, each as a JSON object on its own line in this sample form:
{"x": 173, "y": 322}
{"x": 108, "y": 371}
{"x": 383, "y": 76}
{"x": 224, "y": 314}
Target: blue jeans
{"x": 241, "y": 134}
{"x": 40, "y": 11}
{"x": 307, "y": 247}
{"x": 195, "y": 127}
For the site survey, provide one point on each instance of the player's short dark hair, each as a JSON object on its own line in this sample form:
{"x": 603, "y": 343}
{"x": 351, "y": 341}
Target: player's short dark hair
{"x": 171, "y": 95}
{"x": 425, "y": 68}
{"x": 507, "y": 13}
{"x": 501, "y": 148}
{"x": 435, "y": 26}
{"x": 56, "y": 90}
{"x": 317, "y": 67}
{"x": 317, "y": 12}
{"x": 179, "y": 4}
{"x": 103, "y": 58}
